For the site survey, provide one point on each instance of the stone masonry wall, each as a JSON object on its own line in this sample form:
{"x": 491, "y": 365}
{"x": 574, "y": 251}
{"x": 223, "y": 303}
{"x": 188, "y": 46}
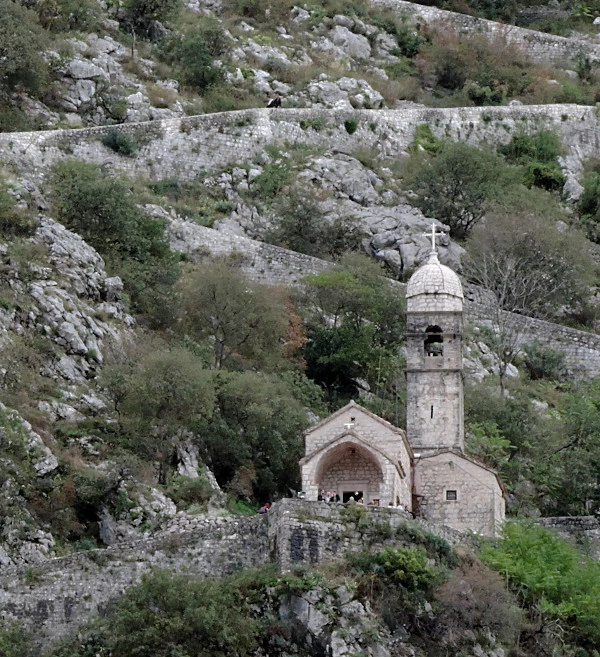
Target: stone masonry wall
{"x": 186, "y": 147}
{"x": 56, "y": 596}
{"x": 183, "y": 148}
{"x": 539, "y": 47}
{"x": 305, "y": 533}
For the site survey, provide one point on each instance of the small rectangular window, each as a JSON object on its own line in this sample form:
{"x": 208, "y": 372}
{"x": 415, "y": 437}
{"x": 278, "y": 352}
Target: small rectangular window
{"x": 451, "y": 496}
{"x": 432, "y": 411}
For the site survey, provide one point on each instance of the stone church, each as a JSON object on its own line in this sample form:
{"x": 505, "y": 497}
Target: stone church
{"x": 423, "y": 469}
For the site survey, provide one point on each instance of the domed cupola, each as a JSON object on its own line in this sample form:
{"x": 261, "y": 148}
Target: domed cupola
{"x": 434, "y": 287}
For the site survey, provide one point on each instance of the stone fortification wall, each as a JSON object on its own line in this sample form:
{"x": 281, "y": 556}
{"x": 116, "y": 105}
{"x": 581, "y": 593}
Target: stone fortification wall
{"x": 538, "y": 46}
{"x": 186, "y": 147}
{"x": 56, "y": 596}
{"x": 272, "y": 265}
{"x": 305, "y": 533}
{"x": 260, "y": 262}
{"x": 582, "y": 350}
{"x": 585, "y": 530}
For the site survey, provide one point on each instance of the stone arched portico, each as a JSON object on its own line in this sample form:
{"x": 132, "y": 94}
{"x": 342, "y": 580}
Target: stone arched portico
{"x": 348, "y": 467}
{"x": 354, "y": 450}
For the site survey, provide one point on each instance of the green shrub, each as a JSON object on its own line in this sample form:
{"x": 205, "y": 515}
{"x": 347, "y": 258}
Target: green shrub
{"x": 303, "y": 228}
{"x": 13, "y": 220}
{"x": 543, "y": 146}
{"x": 168, "y": 615}
{"x": 552, "y": 576}
{"x": 120, "y": 142}
{"x": 545, "y": 176}
{"x": 141, "y": 15}
{"x": 68, "y": 15}
{"x": 459, "y": 185}
{"x": 193, "y": 55}
{"x": 105, "y": 212}
{"x": 185, "y": 491}
{"x": 424, "y": 138}
{"x": 542, "y": 362}
{"x": 351, "y": 126}
{"x": 15, "y": 640}
{"x": 274, "y": 177}
{"x": 23, "y": 42}
{"x": 317, "y": 123}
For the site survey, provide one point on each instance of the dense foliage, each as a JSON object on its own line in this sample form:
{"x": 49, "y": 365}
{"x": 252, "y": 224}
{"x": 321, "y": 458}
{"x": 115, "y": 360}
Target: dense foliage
{"x": 104, "y": 211}
{"x": 553, "y": 578}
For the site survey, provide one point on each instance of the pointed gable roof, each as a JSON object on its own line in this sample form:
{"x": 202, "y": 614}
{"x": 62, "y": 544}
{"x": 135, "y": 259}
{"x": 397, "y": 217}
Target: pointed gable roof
{"x": 353, "y": 406}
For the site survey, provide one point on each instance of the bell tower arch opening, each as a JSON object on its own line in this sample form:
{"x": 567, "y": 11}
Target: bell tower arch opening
{"x": 434, "y": 341}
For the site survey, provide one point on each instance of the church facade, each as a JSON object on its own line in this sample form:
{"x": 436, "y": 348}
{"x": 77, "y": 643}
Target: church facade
{"x": 353, "y": 453}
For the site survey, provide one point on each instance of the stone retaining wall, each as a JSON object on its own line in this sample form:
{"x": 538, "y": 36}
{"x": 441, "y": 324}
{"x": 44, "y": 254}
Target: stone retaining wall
{"x": 585, "y": 530}
{"x": 538, "y": 46}
{"x": 183, "y": 148}
{"x": 56, "y": 596}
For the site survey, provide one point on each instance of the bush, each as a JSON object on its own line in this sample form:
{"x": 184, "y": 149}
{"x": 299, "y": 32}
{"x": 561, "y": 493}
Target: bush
{"x": 168, "y": 615}
{"x": 542, "y": 362}
{"x": 303, "y": 228}
{"x": 543, "y": 146}
{"x": 141, "y": 15}
{"x": 475, "y": 597}
{"x": 23, "y": 43}
{"x": 68, "y": 15}
{"x": 13, "y": 221}
{"x": 193, "y": 55}
{"x": 15, "y": 640}
{"x": 120, "y": 142}
{"x": 552, "y": 576}
{"x": 351, "y": 126}
{"x": 105, "y": 212}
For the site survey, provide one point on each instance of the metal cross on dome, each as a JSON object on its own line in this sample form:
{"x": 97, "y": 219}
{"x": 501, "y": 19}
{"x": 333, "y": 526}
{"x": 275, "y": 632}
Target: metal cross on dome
{"x": 433, "y": 235}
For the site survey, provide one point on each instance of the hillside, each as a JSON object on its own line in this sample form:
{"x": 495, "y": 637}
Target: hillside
{"x": 188, "y": 280}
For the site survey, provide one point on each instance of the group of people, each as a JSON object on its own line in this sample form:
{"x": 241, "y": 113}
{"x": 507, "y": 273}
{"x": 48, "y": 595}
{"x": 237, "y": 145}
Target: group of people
{"x": 328, "y": 496}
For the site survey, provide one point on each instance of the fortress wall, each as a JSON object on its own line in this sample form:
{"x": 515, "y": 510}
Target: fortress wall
{"x": 187, "y": 147}
{"x": 184, "y": 148}
{"x": 56, "y": 596}
{"x": 582, "y": 349}
{"x": 538, "y": 46}
{"x": 307, "y": 533}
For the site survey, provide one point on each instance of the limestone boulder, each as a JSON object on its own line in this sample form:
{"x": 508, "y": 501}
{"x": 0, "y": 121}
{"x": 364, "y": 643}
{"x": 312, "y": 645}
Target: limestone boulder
{"x": 353, "y": 45}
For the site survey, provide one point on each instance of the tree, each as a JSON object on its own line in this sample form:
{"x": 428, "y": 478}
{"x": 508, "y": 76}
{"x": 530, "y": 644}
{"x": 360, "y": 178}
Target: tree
{"x": 524, "y": 266}
{"x": 305, "y": 229}
{"x": 459, "y": 186}
{"x": 22, "y": 42}
{"x": 355, "y": 326}
{"x": 194, "y": 54}
{"x": 253, "y": 442}
{"x": 163, "y": 399}
{"x": 241, "y": 320}
{"x": 141, "y": 15}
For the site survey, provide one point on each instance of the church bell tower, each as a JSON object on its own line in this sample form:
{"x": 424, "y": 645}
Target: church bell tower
{"x": 434, "y": 386}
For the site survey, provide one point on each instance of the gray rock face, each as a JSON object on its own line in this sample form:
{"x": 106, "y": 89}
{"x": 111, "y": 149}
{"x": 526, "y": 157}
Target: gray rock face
{"x": 354, "y": 45}
{"x": 42, "y": 459}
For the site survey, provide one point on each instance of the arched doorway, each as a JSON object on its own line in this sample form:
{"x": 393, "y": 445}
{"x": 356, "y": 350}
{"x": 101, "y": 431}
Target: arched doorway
{"x": 349, "y": 469}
